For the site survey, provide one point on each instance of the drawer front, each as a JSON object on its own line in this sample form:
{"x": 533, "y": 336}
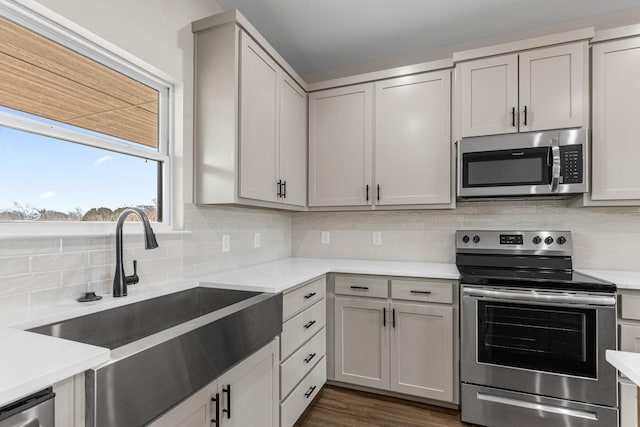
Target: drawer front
{"x": 423, "y": 290}
{"x": 362, "y": 287}
{"x": 301, "y": 327}
{"x": 630, "y": 338}
{"x": 303, "y": 394}
{"x": 630, "y": 307}
{"x": 301, "y": 362}
{"x": 303, "y": 297}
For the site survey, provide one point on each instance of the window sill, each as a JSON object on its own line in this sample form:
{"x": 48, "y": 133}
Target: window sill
{"x": 28, "y": 230}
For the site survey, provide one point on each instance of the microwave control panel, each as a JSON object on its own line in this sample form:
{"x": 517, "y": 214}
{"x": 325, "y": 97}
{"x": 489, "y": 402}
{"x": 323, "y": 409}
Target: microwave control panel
{"x": 571, "y": 164}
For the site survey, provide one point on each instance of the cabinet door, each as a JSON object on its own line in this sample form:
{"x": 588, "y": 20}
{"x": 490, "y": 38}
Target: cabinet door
{"x": 422, "y": 351}
{"x": 293, "y": 142}
{"x": 249, "y": 392}
{"x": 551, "y": 87}
{"x": 489, "y": 96}
{"x": 259, "y": 77}
{"x": 195, "y": 411}
{"x": 412, "y": 140}
{"x": 340, "y": 157}
{"x": 628, "y": 405}
{"x": 362, "y": 342}
{"x": 616, "y": 91}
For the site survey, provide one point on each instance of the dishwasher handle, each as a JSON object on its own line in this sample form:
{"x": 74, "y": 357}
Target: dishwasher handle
{"x": 35, "y": 410}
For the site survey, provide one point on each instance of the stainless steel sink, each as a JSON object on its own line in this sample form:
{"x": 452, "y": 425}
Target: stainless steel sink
{"x": 164, "y": 349}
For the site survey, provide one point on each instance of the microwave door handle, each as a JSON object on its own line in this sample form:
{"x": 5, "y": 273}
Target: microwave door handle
{"x": 555, "y": 166}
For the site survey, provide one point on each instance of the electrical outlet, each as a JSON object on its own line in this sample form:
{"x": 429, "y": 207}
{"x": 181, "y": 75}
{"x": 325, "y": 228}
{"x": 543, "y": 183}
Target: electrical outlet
{"x": 376, "y": 238}
{"x": 226, "y": 243}
{"x": 256, "y": 240}
{"x": 326, "y": 238}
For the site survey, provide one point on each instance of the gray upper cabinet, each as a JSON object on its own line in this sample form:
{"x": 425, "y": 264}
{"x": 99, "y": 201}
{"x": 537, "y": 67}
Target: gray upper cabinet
{"x": 250, "y": 120}
{"x": 616, "y": 89}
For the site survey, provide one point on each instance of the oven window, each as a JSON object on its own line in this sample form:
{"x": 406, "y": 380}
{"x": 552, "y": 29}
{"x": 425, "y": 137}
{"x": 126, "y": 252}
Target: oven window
{"x": 544, "y": 338}
{"x": 506, "y": 167}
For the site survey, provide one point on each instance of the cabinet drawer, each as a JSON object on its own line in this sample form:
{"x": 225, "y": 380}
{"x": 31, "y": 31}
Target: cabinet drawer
{"x": 301, "y": 327}
{"x": 630, "y": 338}
{"x": 303, "y": 297}
{"x": 423, "y": 290}
{"x": 362, "y": 286}
{"x": 630, "y": 307}
{"x": 303, "y": 394}
{"x": 301, "y": 362}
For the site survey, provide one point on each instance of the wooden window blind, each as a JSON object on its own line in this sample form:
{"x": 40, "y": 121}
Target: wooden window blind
{"x": 46, "y": 79}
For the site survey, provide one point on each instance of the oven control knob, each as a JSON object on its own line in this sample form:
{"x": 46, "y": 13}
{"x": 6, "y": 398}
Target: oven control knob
{"x": 537, "y": 240}
{"x": 476, "y": 239}
{"x": 561, "y": 240}
{"x": 465, "y": 238}
{"x": 548, "y": 240}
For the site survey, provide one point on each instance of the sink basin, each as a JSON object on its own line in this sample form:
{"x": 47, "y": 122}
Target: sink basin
{"x": 166, "y": 348}
{"x": 123, "y": 325}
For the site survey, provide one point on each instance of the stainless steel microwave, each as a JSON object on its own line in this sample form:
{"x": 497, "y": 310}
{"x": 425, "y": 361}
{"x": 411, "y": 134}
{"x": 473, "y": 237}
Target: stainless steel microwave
{"x": 524, "y": 164}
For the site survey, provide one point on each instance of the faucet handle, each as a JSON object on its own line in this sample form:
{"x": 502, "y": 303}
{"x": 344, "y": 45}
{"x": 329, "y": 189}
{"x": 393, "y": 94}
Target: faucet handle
{"x": 133, "y": 279}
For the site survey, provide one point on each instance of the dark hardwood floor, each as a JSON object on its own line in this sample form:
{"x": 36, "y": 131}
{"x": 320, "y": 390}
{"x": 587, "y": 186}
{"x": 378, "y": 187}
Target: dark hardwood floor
{"x": 341, "y": 407}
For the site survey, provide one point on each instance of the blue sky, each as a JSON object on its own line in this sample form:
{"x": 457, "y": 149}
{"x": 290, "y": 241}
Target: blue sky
{"x": 47, "y": 173}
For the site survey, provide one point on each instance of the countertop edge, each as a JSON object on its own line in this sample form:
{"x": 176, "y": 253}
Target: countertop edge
{"x": 626, "y": 362}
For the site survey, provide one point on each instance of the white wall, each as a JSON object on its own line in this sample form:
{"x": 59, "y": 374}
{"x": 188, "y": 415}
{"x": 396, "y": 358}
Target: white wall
{"x": 37, "y": 272}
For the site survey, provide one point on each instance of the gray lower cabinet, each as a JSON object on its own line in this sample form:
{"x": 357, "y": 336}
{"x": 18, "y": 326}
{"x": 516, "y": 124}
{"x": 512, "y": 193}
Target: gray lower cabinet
{"x": 247, "y": 395}
{"x": 303, "y": 365}
{"x": 384, "y": 342}
{"x": 629, "y": 340}
{"x": 422, "y": 350}
{"x": 362, "y": 342}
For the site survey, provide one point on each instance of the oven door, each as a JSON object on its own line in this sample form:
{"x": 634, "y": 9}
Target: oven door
{"x": 549, "y": 343}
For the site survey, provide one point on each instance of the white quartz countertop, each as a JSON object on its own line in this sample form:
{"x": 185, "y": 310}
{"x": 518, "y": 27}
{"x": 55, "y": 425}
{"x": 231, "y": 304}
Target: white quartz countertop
{"x": 284, "y": 274}
{"x": 626, "y": 362}
{"x": 622, "y": 279}
{"x": 30, "y": 362}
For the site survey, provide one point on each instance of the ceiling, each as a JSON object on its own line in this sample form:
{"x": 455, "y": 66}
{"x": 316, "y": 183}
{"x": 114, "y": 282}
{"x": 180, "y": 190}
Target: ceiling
{"x": 314, "y": 36}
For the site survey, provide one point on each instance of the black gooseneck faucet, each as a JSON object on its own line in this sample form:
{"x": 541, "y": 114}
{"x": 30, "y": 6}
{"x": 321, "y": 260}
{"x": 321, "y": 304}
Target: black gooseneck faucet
{"x": 120, "y": 280}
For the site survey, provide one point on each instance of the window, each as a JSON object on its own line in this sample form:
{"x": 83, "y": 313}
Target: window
{"x": 83, "y": 133}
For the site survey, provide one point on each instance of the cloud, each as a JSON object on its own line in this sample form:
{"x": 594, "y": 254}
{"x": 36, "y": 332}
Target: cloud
{"x": 47, "y": 195}
{"x": 102, "y": 160}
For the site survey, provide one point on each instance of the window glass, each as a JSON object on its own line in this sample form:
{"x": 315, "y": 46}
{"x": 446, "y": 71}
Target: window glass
{"x": 47, "y": 179}
{"x": 79, "y": 140}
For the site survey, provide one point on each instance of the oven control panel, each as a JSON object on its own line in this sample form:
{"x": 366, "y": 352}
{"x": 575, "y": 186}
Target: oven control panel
{"x": 516, "y": 242}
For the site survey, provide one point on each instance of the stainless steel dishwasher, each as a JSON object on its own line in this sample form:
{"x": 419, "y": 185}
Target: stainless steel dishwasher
{"x": 32, "y": 411}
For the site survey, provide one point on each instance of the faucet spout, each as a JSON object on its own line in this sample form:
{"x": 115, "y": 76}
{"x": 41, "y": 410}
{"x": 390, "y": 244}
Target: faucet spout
{"x": 121, "y": 280}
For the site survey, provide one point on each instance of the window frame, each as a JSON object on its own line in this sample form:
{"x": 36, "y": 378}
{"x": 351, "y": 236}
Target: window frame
{"x": 102, "y": 52}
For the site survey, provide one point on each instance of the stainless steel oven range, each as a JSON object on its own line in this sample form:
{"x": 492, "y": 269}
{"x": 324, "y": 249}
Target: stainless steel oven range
{"x": 534, "y": 333}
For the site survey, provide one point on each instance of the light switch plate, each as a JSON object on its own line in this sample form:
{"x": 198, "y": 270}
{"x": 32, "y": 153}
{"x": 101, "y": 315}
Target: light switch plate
{"x": 226, "y": 243}
{"x": 326, "y": 238}
{"x": 376, "y": 238}
{"x": 256, "y": 240}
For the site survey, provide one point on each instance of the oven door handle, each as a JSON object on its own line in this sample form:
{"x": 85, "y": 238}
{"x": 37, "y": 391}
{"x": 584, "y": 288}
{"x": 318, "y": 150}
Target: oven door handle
{"x": 535, "y": 297}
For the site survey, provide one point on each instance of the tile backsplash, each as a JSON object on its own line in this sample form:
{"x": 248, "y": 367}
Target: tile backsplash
{"x": 36, "y": 272}
{"x": 603, "y": 238}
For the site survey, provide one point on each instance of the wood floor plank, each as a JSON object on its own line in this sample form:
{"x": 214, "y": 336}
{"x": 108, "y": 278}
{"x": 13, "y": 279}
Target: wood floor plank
{"x": 341, "y": 407}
